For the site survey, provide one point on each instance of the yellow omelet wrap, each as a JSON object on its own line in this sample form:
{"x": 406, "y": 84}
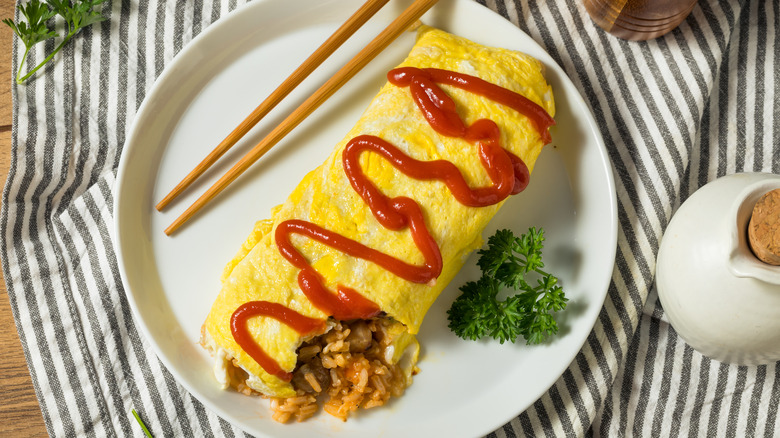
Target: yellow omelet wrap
{"x": 326, "y": 198}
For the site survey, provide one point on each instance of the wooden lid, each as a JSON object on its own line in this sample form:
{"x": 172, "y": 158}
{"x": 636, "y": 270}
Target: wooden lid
{"x": 764, "y": 228}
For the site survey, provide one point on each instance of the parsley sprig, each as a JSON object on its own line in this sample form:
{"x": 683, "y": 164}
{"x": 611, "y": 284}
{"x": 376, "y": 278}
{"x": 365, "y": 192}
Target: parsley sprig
{"x": 507, "y": 262}
{"x": 38, "y": 27}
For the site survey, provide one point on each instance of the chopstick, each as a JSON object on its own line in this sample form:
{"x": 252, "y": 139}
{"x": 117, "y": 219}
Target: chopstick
{"x": 398, "y": 26}
{"x": 322, "y": 53}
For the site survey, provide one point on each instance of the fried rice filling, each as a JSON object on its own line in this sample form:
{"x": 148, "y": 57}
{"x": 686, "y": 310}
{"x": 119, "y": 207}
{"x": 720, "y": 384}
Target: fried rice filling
{"x": 354, "y": 365}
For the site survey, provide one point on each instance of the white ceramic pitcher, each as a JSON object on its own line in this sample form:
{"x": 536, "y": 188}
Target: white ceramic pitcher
{"x": 719, "y": 297}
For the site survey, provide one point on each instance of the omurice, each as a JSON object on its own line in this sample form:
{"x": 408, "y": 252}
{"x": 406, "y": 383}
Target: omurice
{"x": 325, "y": 297}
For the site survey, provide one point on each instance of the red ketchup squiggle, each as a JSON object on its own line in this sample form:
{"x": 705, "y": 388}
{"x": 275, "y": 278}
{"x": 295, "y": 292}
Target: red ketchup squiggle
{"x": 508, "y": 173}
{"x": 300, "y": 323}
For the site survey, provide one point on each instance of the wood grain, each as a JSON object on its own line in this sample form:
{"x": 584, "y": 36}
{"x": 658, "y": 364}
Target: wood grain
{"x": 6, "y": 38}
{"x": 20, "y": 414}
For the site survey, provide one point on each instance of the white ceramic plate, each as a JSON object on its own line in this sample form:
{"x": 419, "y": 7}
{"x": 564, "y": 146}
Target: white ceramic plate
{"x": 464, "y": 388}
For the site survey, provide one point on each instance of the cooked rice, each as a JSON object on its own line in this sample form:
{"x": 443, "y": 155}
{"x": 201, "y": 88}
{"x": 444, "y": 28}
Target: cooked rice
{"x": 313, "y": 382}
{"x": 365, "y": 380}
{"x": 357, "y": 379}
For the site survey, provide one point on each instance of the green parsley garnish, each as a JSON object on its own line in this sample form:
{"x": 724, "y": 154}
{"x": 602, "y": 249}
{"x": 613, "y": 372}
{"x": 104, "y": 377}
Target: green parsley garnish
{"x": 507, "y": 262}
{"x": 36, "y": 29}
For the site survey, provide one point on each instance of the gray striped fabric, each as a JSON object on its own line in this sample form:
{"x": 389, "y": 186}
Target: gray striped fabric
{"x": 675, "y": 113}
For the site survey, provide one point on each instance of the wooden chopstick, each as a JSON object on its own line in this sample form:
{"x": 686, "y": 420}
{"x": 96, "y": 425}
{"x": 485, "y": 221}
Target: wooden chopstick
{"x": 302, "y": 72}
{"x": 398, "y": 26}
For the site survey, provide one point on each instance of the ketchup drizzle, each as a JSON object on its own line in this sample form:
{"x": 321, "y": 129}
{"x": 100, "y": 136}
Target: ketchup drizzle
{"x": 508, "y": 173}
{"x": 300, "y": 323}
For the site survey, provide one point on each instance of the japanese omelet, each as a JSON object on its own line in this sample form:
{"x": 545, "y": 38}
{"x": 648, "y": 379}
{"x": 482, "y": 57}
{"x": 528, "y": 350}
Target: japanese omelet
{"x": 325, "y": 197}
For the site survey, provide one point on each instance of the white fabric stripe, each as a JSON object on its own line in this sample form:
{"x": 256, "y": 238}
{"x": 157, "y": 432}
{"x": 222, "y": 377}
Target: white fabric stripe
{"x": 769, "y": 83}
{"x": 589, "y": 403}
{"x": 85, "y": 266}
{"x": 668, "y": 388}
{"x": 512, "y": 14}
{"x": 110, "y": 93}
{"x": 718, "y": 20}
{"x": 773, "y": 402}
{"x": 557, "y": 408}
{"x": 772, "y": 74}
{"x": 691, "y": 60}
{"x": 728, "y": 134}
{"x": 682, "y": 404}
{"x": 146, "y": 50}
{"x": 711, "y": 146}
{"x": 569, "y": 406}
{"x": 131, "y": 46}
{"x": 30, "y": 329}
{"x": 749, "y": 93}
{"x": 84, "y": 136}
{"x": 85, "y": 394}
{"x": 124, "y": 391}
{"x": 755, "y": 401}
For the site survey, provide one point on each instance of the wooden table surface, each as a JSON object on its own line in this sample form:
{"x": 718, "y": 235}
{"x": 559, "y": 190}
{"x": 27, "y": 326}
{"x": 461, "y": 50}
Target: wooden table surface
{"x": 20, "y": 415}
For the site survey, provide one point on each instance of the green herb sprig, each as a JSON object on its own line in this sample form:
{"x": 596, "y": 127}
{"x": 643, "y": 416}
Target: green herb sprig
{"x": 141, "y": 423}
{"x": 507, "y": 262}
{"x": 38, "y": 27}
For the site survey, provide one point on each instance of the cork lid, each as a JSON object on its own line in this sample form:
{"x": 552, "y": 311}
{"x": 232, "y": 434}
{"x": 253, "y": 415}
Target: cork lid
{"x": 764, "y": 228}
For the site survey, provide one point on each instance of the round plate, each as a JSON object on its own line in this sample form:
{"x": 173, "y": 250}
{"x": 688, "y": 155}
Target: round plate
{"x": 464, "y": 388}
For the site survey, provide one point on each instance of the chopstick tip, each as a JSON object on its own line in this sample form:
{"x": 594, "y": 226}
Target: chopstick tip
{"x": 167, "y": 199}
{"x": 174, "y": 226}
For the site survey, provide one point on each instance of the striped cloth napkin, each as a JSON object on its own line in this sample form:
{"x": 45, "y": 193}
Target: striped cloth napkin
{"x": 675, "y": 113}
